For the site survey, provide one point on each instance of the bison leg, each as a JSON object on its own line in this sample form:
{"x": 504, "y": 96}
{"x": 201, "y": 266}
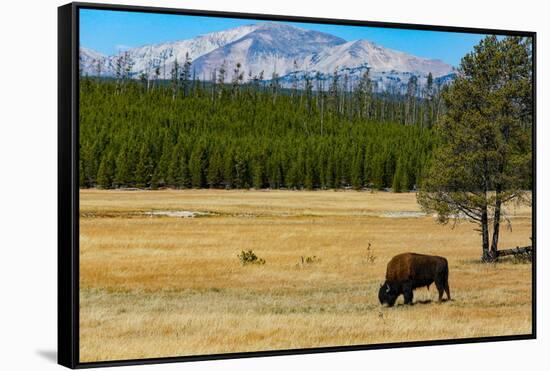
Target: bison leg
{"x": 408, "y": 293}
{"x": 440, "y": 288}
{"x": 447, "y": 291}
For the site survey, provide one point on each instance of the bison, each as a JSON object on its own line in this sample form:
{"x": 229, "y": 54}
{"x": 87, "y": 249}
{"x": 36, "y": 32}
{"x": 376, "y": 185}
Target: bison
{"x": 408, "y": 271}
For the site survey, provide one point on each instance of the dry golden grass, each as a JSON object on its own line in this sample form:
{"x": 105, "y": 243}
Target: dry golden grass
{"x": 163, "y": 286}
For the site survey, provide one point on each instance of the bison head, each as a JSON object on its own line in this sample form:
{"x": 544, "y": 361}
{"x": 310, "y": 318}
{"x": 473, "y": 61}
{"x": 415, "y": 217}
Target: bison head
{"x": 387, "y": 294}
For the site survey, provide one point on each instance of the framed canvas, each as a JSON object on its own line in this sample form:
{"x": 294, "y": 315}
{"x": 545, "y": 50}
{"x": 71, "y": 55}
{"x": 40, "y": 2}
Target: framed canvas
{"x": 239, "y": 185}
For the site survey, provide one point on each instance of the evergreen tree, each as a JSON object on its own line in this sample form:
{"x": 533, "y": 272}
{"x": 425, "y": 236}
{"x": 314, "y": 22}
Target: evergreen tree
{"x": 143, "y": 172}
{"x": 238, "y": 77}
{"x": 174, "y": 78}
{"x": 308, "y": 92}
{"x": 229, "y": 170}
{"x": 89, "y": 159}
{"x": 119, "y": 72}
{"x": 429, "y": 100}
{"x": 128, "y": 65}
{"x": 106, "y": 171}
{"x": 215, "y": 170}
{"x": 196, "y": 168}
{"x": 221, "y": 79}
{"x": 122, "y": 172}
{"x": 98, "y": 63}
{"x": 334, "y": 91}
{"x": 276, "y": 178}
{"x": 258, "y": 173}
{"x": 81, "y": 175}
{"x": 357, "y": 170}
{"x": 377, "y": 171}
{"x": 241, "y": 170}
{"x": 184, "y": 179}
{"x": 363, "y": 94}
{"x": 175, "y": 166}
{"x": 484, "y": 160}
{"x": 185, "y": 75}
{"x": 412, "y": 86}
{"x": 294, "y": 81}
{"x": 400, "y": 178}
{"x": 274, "y": 85}
{"x": 310, "y": 175}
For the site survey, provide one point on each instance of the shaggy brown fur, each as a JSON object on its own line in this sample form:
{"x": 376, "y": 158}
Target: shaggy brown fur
{"x": 408, "y": 271}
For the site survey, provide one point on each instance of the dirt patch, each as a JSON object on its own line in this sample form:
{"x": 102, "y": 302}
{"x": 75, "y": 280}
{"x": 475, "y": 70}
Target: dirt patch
{"x": 178, "y": 213}
{"x": 403, "y": 214}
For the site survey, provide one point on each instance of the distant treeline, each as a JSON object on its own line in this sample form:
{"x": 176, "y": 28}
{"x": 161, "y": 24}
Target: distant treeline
{"x": 193, "y": 134}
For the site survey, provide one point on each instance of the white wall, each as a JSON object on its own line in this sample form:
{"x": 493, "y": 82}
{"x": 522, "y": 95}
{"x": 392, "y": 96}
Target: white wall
{"x": 28, "y": 155}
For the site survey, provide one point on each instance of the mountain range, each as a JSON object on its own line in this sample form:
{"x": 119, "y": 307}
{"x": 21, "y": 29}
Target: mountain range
{"x": 291, "y": 52}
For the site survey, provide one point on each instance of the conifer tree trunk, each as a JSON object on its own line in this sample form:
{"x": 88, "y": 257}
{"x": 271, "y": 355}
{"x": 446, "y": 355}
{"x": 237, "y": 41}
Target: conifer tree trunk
{"x": 486, "y": 252}
{"x": 486, "y": 255}
{"x": 496, "y": 224}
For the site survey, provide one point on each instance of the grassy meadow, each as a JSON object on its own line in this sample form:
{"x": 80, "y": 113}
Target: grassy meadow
{"x": 154, "y": 285}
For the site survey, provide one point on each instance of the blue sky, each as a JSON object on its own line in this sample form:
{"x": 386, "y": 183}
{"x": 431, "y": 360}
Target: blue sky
{"x": 110, "y": 31}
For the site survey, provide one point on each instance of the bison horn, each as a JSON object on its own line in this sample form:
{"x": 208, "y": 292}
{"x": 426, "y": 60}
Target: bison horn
{"x": 388, "y": 288}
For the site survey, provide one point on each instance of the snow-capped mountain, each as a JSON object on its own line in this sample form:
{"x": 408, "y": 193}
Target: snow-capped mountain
{"x": 378, "y": 58}
{"x": 147, "y": 58}
{"x": 89, "y": 60}
{"x": 269, "y": 48}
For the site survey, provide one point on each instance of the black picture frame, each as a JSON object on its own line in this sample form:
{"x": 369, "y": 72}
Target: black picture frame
{"x": 68, "y": 185}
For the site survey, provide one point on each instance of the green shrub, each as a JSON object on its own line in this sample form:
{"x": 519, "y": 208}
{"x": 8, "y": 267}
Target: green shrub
{"x": 371, "y": 258}
{"x": 522, "y": 258}
{"x": 310, "y": 259}
{"x": 248, "y": 257}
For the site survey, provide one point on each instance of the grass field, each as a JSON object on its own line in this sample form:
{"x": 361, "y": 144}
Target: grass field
{"x": 157, "y": 286}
